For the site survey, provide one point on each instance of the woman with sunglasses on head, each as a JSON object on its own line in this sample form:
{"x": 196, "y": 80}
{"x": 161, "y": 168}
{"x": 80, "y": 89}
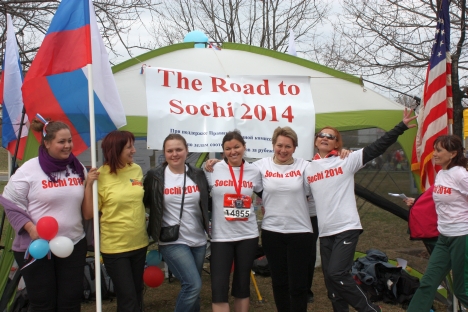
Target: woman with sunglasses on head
{"x": 177, "y": 194}
{"x": 234, "y": 224}
{"x": 450, "y": 195}
{"x": 124, "y": 240}
{"x": 331, "y": 182}
{"x": 52, "y": 184}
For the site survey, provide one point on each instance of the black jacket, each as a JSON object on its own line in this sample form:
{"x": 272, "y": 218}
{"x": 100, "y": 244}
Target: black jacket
{"x": 379, "y": 146}
{"x": 154, "y": 197}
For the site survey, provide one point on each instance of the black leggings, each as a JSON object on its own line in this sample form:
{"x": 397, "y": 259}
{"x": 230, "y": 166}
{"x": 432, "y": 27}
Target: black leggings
{"x": 288, "y": 255}
{"x": 55, "y": 284}
{"x": 126, "y": 271}
{"x": 222, "y": 256}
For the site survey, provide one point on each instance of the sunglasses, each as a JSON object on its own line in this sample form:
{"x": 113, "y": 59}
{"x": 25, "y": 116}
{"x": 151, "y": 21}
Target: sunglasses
{"x": 326, "y": 135}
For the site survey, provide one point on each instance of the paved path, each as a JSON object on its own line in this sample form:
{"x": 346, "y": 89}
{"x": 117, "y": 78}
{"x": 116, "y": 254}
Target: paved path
{"x": 3, "y": 176}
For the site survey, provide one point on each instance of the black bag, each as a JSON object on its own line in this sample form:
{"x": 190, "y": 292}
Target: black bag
{"x": 406, "y": 287}
{"x": 21, "y": 301}
{"x": 89, "y": 285}
{"x": 169, "y": 233}
{"x": 88, "y": 226}
{"x": 261, "y": 266}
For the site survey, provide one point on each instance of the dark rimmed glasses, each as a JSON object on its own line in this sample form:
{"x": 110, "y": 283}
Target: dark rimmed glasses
{"x": 326, "y": 135}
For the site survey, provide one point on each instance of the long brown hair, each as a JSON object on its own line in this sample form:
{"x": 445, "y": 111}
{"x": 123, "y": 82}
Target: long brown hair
{"x": 112, "y": 146}
{"x": 453, "y": 143}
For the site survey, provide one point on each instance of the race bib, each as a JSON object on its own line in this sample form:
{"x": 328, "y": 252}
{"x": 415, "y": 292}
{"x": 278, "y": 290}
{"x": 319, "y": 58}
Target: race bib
{"x": 237, "y": 208}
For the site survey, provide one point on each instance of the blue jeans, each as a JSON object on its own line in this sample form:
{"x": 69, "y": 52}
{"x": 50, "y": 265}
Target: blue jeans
{"x": 186, "y": 263}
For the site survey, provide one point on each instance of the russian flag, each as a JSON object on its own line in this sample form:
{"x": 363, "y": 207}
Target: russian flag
{"x": 56, "y": 85}
{"x": 10, "y": 95}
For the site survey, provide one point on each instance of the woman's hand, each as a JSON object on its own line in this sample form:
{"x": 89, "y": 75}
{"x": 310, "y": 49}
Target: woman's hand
{"x": 409, "y": 201}
{"x": 87, "y": 204}
{"x": 407, "y": 118}
{"x": 93, "y": 175}
{"x": 344, "y": 153}
{"x": 209, "y": 164}
{"x": 31, "y": 229}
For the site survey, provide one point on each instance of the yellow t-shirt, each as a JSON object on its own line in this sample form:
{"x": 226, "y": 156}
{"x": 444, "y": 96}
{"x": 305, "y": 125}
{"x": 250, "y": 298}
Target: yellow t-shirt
{"x": 123, "y": 220}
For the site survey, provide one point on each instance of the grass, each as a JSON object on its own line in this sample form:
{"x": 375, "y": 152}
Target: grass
{"x": 3, "y": 160}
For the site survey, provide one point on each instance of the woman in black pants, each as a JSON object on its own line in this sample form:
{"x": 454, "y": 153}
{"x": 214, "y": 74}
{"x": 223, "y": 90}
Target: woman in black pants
{"x": 122, "y": 222}
{"x": 331, "y": 181}
{"x": 52, "y": 184}
{"x": 287, "y": 236}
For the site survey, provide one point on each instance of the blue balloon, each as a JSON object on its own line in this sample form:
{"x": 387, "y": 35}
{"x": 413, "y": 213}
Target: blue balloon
{"x": 39, "y": 248}
{"x": 196, "y": 36}
{"x": 153, "y": 257}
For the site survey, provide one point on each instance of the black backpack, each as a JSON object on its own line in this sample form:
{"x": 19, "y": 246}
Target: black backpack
{"x": 403, "y": 286}
{"x": 89, "y": 285}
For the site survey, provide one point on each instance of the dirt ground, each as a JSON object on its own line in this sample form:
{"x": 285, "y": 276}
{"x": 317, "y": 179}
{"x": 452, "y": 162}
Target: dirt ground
{"x": 163, "y": 299}
{"x": 383, "y": 231}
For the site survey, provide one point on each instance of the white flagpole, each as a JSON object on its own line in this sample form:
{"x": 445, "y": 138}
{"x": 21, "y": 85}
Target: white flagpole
{"x": 292, "y": 43}
{"x": 10, "y": 164}
{"x": 97, "y": 247}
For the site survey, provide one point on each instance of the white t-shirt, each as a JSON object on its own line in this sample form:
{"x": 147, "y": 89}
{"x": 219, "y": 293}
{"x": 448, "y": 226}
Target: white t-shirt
{"x": 220, "y": 182}
{"x": 331, "y": 182}
{"x": 451, "y": 199}
{"x": 31, "y": 190}
{"x": 284, "y": 197}
{"x": 191, "y": 231}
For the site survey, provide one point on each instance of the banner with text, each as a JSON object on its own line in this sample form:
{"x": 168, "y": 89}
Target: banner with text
{"x": 203, "y": 107}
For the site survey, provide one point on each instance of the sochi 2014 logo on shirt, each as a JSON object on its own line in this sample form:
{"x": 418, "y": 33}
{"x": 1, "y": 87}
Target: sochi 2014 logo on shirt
{"x": 136, "y": 182}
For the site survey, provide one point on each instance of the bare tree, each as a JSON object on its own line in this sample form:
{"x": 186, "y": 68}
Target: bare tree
{"x": 264, "y": 23}
{"x": 391, "y": 40}
{"x": 408, "y": 101}
{"x": 31, "y": 19}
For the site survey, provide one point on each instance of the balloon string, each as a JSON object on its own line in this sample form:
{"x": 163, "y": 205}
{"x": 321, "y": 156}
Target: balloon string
{"x": 27, "y": 255}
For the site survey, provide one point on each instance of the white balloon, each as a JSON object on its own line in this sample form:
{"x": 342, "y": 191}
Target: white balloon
{"x": 61, "y": 246}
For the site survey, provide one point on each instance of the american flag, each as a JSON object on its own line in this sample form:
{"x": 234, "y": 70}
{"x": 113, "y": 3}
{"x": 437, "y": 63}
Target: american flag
{"x": 436, "y": 110}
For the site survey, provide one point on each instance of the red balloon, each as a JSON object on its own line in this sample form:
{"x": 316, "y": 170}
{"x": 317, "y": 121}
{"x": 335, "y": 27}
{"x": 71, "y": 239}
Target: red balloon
{"x": 153, "y": 276}
{"x": 47, "y": 227}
